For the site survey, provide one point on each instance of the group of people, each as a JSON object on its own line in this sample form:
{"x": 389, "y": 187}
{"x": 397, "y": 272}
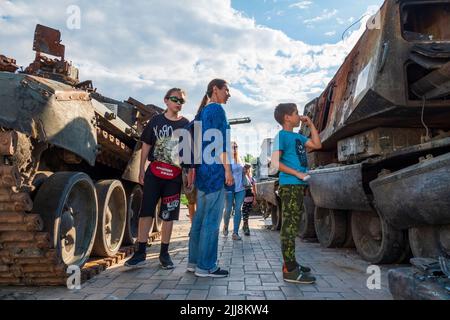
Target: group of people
{"x": 215, "y": 188}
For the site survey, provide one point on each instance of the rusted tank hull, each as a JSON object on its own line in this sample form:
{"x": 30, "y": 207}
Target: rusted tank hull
{"x": 58, "y": 137}
{"x": 267, "y": 190}
{"x": 49, "y": 111}
{"x": 375, "y": 85}
{"x": 339, "y": 188}
{"x": 417, "y": 195}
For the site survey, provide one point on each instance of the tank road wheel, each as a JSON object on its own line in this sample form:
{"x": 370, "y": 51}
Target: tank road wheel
{"x": 264, "y": 208}
{"x": 331, "y": 226}
{"x": 134, "y": 200}
{"x": 376, "y": 241}
{"x": 430, "y": 241}
{"x": 306, "y": 227}
{"x": 112, "y": 215}
{"x": 67, "y": 203}
{"x": 39, "y": 178}
{"x": 349, "y": 242}
{"x": 276, "y": 216}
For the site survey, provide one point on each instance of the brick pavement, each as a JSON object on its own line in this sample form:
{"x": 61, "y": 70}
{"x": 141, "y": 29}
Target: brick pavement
{"x": 255, "y": 274}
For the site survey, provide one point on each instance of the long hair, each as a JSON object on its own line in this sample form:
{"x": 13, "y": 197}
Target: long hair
{"x": 219, "y": 83}
{"x": 235, "y": 153}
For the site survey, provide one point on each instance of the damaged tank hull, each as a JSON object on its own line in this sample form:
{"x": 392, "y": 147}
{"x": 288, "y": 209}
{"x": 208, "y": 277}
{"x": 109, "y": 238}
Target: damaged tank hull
{"x": 68, "y": 181}
{"x": 384, "y": 122}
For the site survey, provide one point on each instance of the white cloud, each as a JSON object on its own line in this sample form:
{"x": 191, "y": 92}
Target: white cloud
{"x": 326, "y": 15}
{"x": 330, "y": 33}
{"x": 301, "y": 5}
{"x": 141, "y": 50}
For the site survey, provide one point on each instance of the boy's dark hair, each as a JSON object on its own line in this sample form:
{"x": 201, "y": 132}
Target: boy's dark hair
{"x": 284, "y": 109}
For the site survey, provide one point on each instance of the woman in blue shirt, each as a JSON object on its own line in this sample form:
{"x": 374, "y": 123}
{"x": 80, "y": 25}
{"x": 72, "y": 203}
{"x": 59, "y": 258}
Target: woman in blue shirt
{"x": 212, "y": 175}
{"x": 234, "y": 195}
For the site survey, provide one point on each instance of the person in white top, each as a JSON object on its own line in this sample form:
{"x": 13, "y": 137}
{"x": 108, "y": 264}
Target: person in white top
{"x": 234, "y": 197}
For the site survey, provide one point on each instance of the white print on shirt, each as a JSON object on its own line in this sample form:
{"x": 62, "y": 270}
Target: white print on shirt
{"x": 165, "y": 132}
{"x": 301, "y": 153}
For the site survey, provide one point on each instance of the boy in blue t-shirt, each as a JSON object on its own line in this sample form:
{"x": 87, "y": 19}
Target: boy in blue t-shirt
{"x": 289, "y": 157}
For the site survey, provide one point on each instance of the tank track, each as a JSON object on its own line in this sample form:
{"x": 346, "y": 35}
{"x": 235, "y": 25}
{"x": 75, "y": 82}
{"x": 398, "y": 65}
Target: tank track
{"x": 26, "y": 254}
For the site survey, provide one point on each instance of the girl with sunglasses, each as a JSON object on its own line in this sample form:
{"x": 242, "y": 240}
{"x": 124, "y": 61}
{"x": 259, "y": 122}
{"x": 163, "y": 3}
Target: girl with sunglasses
{"x": 162, "y": 179}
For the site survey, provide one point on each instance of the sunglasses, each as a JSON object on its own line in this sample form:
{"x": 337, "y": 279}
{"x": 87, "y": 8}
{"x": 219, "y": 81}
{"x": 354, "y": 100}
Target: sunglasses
{"x": 177, "y": 100}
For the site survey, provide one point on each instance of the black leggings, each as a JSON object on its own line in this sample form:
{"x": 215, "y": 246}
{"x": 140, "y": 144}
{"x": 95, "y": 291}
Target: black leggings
{"x": 248, "y": 205}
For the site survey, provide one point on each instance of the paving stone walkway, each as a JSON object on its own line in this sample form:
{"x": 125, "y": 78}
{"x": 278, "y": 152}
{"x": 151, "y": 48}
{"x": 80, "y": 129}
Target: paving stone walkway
{"x": 255, "y": 274}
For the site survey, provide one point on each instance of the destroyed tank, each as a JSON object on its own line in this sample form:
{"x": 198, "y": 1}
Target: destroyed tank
{"x": 382, "y": 179}
{"x": 69, "y": 173}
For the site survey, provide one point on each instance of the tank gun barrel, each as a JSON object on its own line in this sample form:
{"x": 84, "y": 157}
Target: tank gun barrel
{"x": 237, "y": 121}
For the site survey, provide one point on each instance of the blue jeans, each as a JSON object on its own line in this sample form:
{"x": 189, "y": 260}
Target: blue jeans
{"x": 204, "y": 236}
{"x": 238, "y": 199}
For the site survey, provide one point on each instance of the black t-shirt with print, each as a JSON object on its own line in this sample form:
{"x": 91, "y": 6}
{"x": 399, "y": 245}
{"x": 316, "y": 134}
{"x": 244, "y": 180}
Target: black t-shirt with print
{"x": 158, "y": 133}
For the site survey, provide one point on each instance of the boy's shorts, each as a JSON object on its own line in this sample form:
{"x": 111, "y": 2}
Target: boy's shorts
{"x": 168, "y": 191}
{"x": 191, "y": 193}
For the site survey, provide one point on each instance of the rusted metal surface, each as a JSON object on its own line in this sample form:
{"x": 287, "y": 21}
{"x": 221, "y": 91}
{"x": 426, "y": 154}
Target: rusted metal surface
{"x": 339, "y": 188}
{"x": 426, "y": 21}
{"x": 8, "y": 143}
{"x": 374, "y": 85}
{"x": 9, "y": 176}
{"x": 377, "y": 142}
{"x": 146, "y": 112}
{"x": 49, "y": 121}
{"x": 8, "y": 64}
{"x": 434, "y": 85}
{"x": 48, "y": 40}
{"x": 267, "y": 190}
{"x": 29, "y": 106}
{"x": 131, "y": 172}
{"x": 417, "y": 195}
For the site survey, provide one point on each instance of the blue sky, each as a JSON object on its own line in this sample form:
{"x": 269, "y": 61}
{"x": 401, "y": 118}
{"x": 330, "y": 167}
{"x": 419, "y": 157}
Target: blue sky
{"x": 270, "y": 52}
{"x": 312, "y": 21}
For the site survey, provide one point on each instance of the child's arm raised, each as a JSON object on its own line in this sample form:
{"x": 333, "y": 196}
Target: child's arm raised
{"x": 314, "y": 143}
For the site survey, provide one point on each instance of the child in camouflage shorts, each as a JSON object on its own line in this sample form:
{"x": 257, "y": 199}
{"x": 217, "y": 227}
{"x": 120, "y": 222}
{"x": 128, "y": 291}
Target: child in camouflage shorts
{"x": 289, "y": 157}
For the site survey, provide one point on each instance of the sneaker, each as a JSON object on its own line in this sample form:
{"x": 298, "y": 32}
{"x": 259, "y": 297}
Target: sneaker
{"x": 219, "y": 273}
{"x": 236, "y": 237}
{"x": 225, "y": 231}
{"x": 303, "y": 268}
{"x": 190, "y": 269}
{"x": 246, "y": 229}
{"x": 137, "y": 260}
{"x": 165, "y": 262}
{"x": 298, "y": 276}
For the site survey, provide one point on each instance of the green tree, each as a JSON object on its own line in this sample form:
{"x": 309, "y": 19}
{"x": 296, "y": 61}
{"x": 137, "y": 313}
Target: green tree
{"x": 249, "y": 159}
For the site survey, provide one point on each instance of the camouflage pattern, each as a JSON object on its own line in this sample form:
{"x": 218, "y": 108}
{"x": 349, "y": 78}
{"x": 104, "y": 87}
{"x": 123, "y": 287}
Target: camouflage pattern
{"x": 292, "y": 209}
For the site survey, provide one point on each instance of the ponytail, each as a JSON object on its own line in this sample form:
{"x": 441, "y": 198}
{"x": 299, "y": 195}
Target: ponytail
{"x": 219, "y": 83}
{"x": 203, "y": 103}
